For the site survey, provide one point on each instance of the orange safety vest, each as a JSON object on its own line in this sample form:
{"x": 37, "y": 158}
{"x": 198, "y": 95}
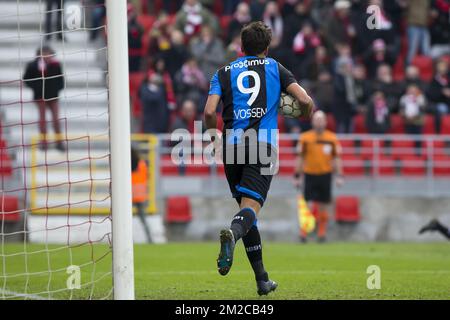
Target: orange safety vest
{"x": 139, "y": 183}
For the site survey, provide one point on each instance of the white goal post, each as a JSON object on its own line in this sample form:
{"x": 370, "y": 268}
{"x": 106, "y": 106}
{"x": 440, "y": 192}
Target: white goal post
{"x": 123, "y": 268}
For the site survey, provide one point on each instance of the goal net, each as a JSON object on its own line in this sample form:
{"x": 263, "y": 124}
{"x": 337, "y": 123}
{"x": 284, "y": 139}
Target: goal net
{"x": 56, "y": 176}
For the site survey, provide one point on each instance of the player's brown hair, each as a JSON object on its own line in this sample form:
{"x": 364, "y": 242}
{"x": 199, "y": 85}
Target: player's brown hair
{"x": 255, "y": 38}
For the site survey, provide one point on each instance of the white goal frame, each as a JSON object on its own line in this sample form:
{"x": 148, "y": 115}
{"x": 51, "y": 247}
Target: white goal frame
{"x": 120, "y": 144}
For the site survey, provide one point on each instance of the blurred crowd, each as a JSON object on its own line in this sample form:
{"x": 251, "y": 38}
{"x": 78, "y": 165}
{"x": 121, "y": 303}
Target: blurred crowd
{"x": 390, "y": 59}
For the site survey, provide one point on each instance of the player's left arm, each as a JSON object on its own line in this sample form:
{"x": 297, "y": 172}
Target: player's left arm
{"x": 289, "y": 85}
{"x": 306, "y": 102}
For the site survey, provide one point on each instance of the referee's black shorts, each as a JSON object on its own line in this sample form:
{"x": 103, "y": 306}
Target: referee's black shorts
{"x": 250, "y": 179}
{"x": 317, "y": 187}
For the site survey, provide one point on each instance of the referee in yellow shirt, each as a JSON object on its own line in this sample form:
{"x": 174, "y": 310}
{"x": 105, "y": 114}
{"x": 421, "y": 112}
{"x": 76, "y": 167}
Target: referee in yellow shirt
{"x": 319, "y": 156}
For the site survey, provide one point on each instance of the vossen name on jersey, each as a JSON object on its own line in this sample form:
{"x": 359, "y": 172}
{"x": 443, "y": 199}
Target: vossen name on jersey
{"x": 249, "y": 113}
{"x": 246, "y": 64}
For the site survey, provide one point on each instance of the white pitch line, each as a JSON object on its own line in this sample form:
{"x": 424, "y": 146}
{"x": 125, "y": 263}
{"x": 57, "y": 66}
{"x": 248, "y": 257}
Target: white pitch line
{"x": 22, "y": 295}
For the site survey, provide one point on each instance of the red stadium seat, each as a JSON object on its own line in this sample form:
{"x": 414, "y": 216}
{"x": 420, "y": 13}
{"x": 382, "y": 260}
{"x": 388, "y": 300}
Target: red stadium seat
{"x": 428, "y": 126}
{"x": 224, "y": 23}
{"x": 146, "y": 21}
{"x": 136, "y": 79}
{"x": 397, "y": 124}
{"x": 441, "y": 165}
{"x": 353, "y": 165}
{"x": 425, "y": 66}
{"x": 347, "y": 209}
{"x": 366, "y": 150}
{"x": 359, "y": 123}
{"x": 168, "y": 168}
{"x": 413, "y": 165}
{"x": 178, "y": 210}
{"x": 445, "y": 124}
{"x": 9, "y": 207}
{"x": 387, "y": 166}
{"x": 197, "y": 170}
{"x": 400, "y": 148}
{"x": 331, "y": 122}
{"x": 281, "y": 125}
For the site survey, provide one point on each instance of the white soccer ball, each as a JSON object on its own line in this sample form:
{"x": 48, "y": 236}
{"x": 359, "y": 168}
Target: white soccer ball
{"x": 289, "y": 106}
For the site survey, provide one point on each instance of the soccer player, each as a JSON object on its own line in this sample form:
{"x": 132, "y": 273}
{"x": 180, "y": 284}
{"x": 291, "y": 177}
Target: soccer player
{"x": 319, "y": 156}
{"x": 435, "y": 225}
{"x": 250, "y": 89}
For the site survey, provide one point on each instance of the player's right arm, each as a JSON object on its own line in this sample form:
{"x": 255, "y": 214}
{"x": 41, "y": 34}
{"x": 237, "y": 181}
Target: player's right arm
{"x": 210, "y": 112}
{"x": 215, "y": 94}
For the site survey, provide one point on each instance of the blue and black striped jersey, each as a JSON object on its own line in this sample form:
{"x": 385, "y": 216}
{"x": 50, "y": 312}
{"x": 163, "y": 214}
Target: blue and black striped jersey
{"x": 250, "y": 89}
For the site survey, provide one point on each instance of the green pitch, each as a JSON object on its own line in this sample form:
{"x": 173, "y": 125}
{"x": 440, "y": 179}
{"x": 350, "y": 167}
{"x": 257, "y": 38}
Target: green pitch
{"x": 188, "y": 271}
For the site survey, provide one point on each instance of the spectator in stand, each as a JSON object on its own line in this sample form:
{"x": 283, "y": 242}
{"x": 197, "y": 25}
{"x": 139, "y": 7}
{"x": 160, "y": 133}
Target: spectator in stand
{"x": 135, "y": 32}
{"x": 362, "y": 87}
{"x": 288, "y": 7}
{"x": 395, "y": 10}
{"x": 48, "y": 19}
{"x": 187, "y": 117}
{"x": 257, "y": 8}
{"x": 377, "y": 55}
{"x": 274, "y": 20}
{"x": 304, "y": 46}
{"x": 438, "y": 91}
{"x": 412, "y": 76}
{"x": 317, "y": 63}
{"x": 97, "y": 16}
{"x": 322, "y": 10}
{"x": 339, "y": 28}
{"x": 208, "y": 50}
{"x": 294, "y": 21}
{"x": 159, "y": 35}
{"x": 159, "y": 68}
{"x": 154, "y": 105}
{"x": 344, "y": 52}
{"x": 230, "y": 6}
{"x": 417, "y": 15}
{"x": 440, "y": 28}
{"x": 377, "y": 116}
{"x": 344, "y": 95}
{"x": 234, "y": 49}
{"x": 45, "y": 77}
{"x": 171, "y": 6}
{"x": 323, "y": 90}
{"x": 177, "y": 54}
{"x": 412, "y": 108}
{"x": 191, "y": 83}
{"x": 385, "y": 83}
{"x": 240, "y": 18}
{"x": 192, "y": 16}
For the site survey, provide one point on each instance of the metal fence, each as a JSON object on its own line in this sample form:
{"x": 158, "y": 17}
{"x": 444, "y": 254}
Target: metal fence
{"x": 407, "y": 165}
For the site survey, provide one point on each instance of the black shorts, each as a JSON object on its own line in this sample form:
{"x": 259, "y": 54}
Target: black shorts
{"x": 250, "y": 179}
{"x": 318, "y": 188}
